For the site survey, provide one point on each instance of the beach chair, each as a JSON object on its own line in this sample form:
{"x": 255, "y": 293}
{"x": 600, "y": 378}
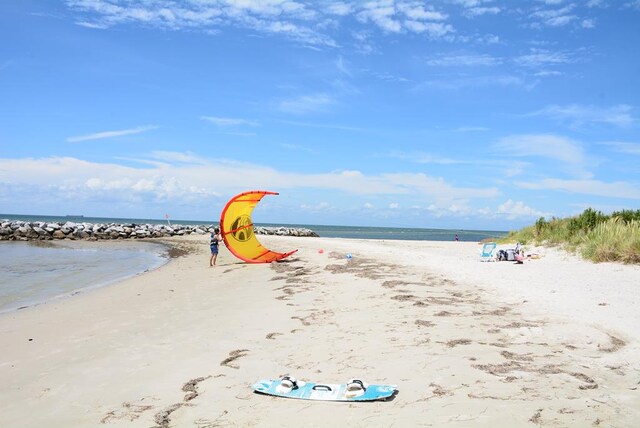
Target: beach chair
{"x": 487, "y": 252}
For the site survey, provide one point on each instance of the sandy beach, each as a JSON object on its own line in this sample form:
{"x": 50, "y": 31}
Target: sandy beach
{"x": 551, "y": 342}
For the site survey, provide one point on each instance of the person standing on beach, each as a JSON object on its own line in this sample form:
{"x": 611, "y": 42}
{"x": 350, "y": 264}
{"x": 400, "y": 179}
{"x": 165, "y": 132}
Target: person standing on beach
{"x": 214, "y": 244}
{"x": 457, "y": 239}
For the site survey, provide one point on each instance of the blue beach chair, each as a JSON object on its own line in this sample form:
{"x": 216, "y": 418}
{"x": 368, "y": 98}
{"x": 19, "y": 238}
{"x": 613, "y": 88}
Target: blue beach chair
{"x": 487, "y": 252}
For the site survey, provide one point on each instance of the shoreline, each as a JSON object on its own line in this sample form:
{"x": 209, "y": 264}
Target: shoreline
{"x": 159, "y": 251}
{"x": 466, "y": 342}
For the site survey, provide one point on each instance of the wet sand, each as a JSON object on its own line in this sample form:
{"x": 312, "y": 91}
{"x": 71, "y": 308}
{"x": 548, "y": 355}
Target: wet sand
{"x": 551, "y": 342}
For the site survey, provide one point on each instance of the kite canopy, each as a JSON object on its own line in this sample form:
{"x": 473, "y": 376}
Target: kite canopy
{"x": 237, "y": 231}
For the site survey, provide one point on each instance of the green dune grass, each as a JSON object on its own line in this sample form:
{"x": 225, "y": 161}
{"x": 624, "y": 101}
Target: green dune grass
{"x": 594, "y": 235}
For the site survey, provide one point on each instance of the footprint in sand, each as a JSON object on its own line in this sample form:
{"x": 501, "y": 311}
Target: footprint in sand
{"x": 234, "y": 355}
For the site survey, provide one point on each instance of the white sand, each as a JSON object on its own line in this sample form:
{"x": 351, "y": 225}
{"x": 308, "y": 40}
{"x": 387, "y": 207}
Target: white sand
{"x": 552, "y": 342}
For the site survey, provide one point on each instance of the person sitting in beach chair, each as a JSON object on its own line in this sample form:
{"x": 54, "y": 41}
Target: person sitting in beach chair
{"x": 519, "y": 254}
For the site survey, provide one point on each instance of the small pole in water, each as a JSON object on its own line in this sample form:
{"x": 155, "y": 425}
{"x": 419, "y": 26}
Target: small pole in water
{"x": 167, "y": 217}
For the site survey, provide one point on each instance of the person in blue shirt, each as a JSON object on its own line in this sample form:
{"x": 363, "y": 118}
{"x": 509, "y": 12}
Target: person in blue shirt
{"x": 214, "y": 244}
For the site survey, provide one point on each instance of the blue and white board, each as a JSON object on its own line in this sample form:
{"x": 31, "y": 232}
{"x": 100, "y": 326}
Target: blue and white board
{"x": 354, "y": 390}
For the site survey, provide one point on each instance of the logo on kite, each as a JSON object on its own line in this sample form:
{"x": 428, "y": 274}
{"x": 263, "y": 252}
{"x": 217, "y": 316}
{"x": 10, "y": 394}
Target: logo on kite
{"x": 238, "y": 233}
{"x": 242, "y": 229}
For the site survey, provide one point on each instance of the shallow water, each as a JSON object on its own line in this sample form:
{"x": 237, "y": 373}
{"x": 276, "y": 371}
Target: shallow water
{"x": 35, "y": 272}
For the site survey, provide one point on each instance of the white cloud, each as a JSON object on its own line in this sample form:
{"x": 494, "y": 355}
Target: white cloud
{"x": 544, "y": 145}
{"x": 555, "y": 17}
{"x": 471, "y": 129}
{"x": 339, "y": 8}
{"x": 381, "y": 13}
{"x": 578, "y": 115}
{"x": 423, "y": 158}
{"x": 394, "y": 205}
{"x": 291, "y": 18}
{"x": 398, "y": 17}
{"x": 297, "y": 147}
{"x": 547, "y": 73}
{"x": 472, "y": 12}
{"x": 433, "y": 29}
{"x": 620, "y": 189}
{"x": 364, "y": 42}
{"x": 306, "y": 103}
{"x": 513, "y": 210}
{"x": 229, "y": 121}
{"x": 634, "y": 4}
{"x": 184, "y": 176}
{"x": 588, "y": 23}
{"x": 458, "y": 83}
{"x": 467, "y": 60}
{"x": 317, "y": 208}
{"x": 624, "y": 147}
{"x": 110, "y": 134}
{"x": 562, "y": 149}
{"x": 342, "y": 66}
{"x": 418, "y": 12}
{"x": 543, "y": 57}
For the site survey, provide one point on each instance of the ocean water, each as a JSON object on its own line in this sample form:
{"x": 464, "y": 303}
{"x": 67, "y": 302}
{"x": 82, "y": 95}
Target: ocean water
{"x": 32, "y": 273}
{"x": 354, "y": 232}
{"x": 35, "y": 272}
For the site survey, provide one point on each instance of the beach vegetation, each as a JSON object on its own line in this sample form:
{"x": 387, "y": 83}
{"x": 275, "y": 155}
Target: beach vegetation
{"x": 595, "y": 236}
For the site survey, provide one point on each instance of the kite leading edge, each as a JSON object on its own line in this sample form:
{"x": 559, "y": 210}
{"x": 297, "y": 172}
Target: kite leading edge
{"x": 237, "y": 230}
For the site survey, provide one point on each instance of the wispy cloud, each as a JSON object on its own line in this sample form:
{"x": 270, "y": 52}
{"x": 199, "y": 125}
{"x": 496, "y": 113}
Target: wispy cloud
{"x": 543, "y": 58}
{"x": 474, "y": 8}
{"x": 405, "y": 17}
{"x": 624, "y": 147}
{"x": 543, "y": 145}
{"x": 342, "y": 66}
{"x": 298, "y": 147}
{"x": 458, "y": 83}
{"x": 298, "y": 20}
{"x": 229, "y": 121}
{"x": 518, "y": 209}
{"x": 110, "y": 134}
{"x": 464, "y": 60}
{"x": 287, "y": 17}
{"x": 633, "y": 4}
{"x": 323, "y": 125}
{"x": 471, "y": 129}
{"x": 388, "y": 77}
{"x": 562, "y": 149}
{"x": 306, "y": 103}
{"x": 422, "y": 157}
{"x": 554, "y": 17}
{"x": 313, "y": 24}
{"x": 578, "y": 114}
{"x": 619, "y": 189}
{"x": 339, "y": 8}
{"x": 473, "y": 12}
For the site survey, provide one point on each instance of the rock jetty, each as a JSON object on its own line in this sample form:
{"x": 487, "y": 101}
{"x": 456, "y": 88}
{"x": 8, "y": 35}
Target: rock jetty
{"x": 16, "y": 230}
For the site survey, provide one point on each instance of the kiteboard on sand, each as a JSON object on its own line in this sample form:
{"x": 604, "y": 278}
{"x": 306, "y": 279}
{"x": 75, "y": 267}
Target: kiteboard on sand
{"x": 354, "y": 390}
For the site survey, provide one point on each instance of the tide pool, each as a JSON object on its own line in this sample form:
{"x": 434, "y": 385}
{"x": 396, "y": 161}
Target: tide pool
{"x": 35, "y": 272}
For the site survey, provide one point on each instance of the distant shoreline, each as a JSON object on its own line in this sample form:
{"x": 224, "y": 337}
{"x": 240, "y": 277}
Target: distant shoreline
{"x": 325, "y": 231}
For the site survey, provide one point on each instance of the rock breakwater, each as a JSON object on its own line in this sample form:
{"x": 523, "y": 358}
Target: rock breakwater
{"x": 16, "y": 230}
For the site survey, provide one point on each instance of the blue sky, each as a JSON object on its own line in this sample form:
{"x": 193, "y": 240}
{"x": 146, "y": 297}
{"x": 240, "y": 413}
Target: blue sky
{"x": 476, "y": 114}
